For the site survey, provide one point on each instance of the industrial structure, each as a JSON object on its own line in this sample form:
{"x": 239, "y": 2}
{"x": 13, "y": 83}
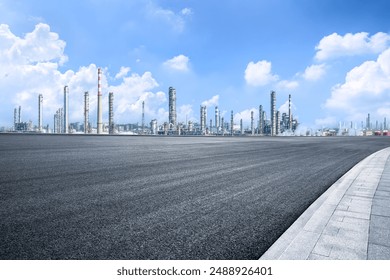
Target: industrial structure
{"x": 172, "y": 106}
{"x": 86, "y": 112}
{"x": 111, "y": 113}
{"x": 273, "y": 113}
{"x": 66, "y": 109}
{"x": 40, "y": 102}
{"x": 143, "y": 117}
{"x": 277, "y": 123}
{"x": 99, "y": 103}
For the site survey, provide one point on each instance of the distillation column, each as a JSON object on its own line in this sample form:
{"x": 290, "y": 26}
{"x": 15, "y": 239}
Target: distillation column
{"x": 273, "y": 113}
{"x": 289, "y": 113}
{"x": 40, "y": 101}
{"x": 252, "y": 124}
{"x": 261, "y": 121}
{"x": 86, "y": 112}
{"x": 66, "y": 109}
{"x": 111, "y": 113}
{"x": 231, "y": 124}
{"x": 99, "y": 105}
{"x": 172, "y": 106}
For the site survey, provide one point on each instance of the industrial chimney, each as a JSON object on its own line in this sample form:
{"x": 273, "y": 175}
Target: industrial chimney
{"x": 66, "y": 109}
{"x": 40, "y": 101}
{"x": 99, "y": 105}
{"x": 86, "y": 112}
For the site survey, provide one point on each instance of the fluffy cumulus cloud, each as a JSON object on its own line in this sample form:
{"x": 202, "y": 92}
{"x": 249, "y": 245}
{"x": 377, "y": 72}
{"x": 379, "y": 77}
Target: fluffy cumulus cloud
{"x": 213, "y": 101}
{"x": 176, "y": 21}
{"x": 326, "y": 122}
{"x": 366, "y": 88}
{"x": 259, "y": 73}
{"x": 284, "y": 107}
{"x": 178, "y": 63}
{"x": 287, "y": 84}
{"x": 314, "y": 72}
{"x": 245, "y": 115}
{"x": 335, "y": 45}
{"x": 29, "y": 66}
{"x": 122, "y": 72}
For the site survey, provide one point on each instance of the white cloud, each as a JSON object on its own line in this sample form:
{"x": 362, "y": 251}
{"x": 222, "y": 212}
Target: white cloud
{"x": 213, "y": 101}
{"x": 176, "y": 21}
{"x": 326, "y": 122}
{"x": 259, "y": 73}
{"x": 122, "y": 72}
{"x": 288, "y": 84}
{"x": 284, "y": 107}
{"x": 179, "y": 63}
{"x": 245, "y": 115}
{"x": 185, "y": 112}
{"x": 30, "y": 66}
{"x": 186, "y": 12}
{"x": 335, "y": 45}
{"x": 366, "y": 87}
{"x": 314, "y": 72}
{"x": 40, "y": 45}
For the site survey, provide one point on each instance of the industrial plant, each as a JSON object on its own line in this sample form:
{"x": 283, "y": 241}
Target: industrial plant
{"x": 278, "y": 124}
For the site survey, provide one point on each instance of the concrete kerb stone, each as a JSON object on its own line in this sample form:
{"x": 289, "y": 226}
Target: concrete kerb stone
{"x": 337, "y": 225}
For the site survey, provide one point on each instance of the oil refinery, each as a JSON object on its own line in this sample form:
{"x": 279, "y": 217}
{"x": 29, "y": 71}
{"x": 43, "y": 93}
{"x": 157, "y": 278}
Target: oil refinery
{"x": 277, "y": 124}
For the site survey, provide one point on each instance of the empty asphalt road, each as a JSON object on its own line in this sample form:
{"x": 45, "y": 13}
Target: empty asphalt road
{"x": 123, "y": 197}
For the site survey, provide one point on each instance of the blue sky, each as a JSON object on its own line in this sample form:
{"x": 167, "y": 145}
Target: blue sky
{"x": 332, "y": 56}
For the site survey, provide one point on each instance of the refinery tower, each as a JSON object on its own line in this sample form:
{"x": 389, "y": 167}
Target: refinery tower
{"x": 172, "y": 106}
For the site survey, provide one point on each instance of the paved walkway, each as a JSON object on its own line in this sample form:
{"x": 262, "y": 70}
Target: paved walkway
{"x": 351, "y": 220}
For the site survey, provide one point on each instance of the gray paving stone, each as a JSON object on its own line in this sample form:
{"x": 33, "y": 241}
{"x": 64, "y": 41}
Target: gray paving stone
{"x": 318, "y": 257}
{"x": 380, "y": 210}
{"x": 380, "y": 221}
{"x": 379, "y": 201}
{"x": 352, "y": 214}
{"x": 382, "y": 193}
{"x": 379, "y": 236}
{"x": 378, "y": 252}
{"x": 301, "y": 247}
{"x": 343, "y": 253}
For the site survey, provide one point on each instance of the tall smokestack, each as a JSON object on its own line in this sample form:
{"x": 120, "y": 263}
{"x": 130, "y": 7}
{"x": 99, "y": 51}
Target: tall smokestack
{"x": 368, "y": 126}
{"x": 99, "y": 108}
{"x": 111, "y": 113}
{"x": 273, "y": 113}
{"x": 223, "y": 125}
{"x": 231, "y": 123}
{"x": 252, "y": 124}
{"x": 20, "y": 114}
{"x": 40, "y": 101}
{"x": 55, "y": 123}
{"x": 216, "y": 118}
{"x": 172, "y": 106}
{"x": 277, "y": 122}
{"x": 289, "y": 113}
{"x": 15, "y": 118}
{"x": 241, "y": 127}
{"x": 261, "y": 121}
{"x": 86, "y": 112}
{"x": 143, "y": 116}
{"x": 66, "y": 109}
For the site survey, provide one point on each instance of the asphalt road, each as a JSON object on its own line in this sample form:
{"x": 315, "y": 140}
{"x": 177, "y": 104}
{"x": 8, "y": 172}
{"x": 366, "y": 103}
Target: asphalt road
{"x": 123, "y": 197}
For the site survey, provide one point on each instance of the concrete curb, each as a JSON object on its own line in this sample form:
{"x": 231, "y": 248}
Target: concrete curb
{"x": 351, "y": 220}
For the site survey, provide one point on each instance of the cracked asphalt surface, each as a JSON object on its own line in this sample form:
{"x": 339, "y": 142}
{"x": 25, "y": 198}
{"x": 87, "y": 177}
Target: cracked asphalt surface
{"x": 127, "y": 197}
